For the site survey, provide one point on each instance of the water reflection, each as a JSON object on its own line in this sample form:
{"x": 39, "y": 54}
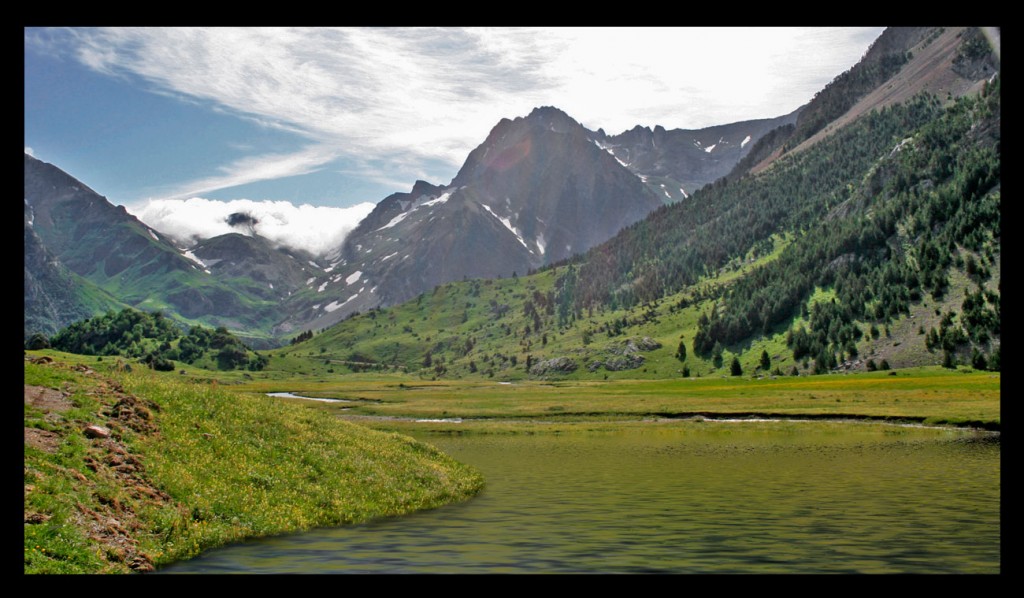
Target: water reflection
{"x": 685, "y": 498}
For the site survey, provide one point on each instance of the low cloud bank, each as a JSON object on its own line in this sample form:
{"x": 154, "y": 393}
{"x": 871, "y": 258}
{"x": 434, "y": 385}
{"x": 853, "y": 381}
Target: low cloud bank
{"x": 317, "y": 229}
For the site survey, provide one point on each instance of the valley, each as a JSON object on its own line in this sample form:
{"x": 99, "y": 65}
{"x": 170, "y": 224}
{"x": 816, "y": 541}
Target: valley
{"x": 820, "y": 289}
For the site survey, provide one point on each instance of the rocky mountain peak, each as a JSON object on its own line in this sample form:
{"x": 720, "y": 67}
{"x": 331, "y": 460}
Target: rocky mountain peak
{"x": 551, "y": 118}
{"x": 421, "y": 188}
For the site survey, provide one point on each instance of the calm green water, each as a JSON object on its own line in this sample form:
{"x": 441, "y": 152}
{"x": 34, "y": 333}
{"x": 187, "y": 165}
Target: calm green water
{"x": 682, "y": 498}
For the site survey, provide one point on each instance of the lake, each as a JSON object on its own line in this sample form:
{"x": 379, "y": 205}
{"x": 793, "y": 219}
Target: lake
{"x": 681, "y": 497}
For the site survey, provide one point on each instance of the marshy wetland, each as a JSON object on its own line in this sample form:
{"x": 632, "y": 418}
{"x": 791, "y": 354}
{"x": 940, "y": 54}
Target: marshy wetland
{"x": 602, "y": 486}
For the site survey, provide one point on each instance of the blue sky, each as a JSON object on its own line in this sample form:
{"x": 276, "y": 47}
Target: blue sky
{"x": 339, "y": 118}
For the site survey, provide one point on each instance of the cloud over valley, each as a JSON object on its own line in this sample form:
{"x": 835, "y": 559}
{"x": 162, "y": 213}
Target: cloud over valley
{"x": 316, "y": 229}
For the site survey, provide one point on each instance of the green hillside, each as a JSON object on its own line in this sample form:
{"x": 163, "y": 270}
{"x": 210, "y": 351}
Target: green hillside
{"x": 168, "y": 468}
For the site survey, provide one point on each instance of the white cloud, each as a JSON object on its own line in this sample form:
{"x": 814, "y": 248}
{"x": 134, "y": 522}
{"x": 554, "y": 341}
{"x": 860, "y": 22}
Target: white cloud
{"x": 403, "y": 101}
{"x": 258, "y": 168}
{"x": 316, "y": 229}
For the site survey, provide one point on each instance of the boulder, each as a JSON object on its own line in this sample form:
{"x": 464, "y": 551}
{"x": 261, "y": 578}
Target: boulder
{"x": 97, "y": 432}
{"x": 559, "y": 365}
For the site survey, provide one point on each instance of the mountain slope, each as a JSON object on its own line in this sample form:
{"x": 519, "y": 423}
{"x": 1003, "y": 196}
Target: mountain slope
{"x": 679, "y": 161}
{"x": 948, "y": 62}
{"x": 130, "y": 261}
{"x": 54, "y": 296}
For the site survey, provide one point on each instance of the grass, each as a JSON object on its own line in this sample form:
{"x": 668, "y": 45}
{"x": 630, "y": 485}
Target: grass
{"x": 193, "y": 466}
{"x": 930, "y": 394}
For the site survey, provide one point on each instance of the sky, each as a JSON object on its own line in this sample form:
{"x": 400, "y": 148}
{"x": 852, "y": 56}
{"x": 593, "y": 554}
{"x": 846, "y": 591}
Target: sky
{"x": 308, "y": 128}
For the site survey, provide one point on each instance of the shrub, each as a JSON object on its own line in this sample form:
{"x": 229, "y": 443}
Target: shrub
{"x": 37, "y": 341}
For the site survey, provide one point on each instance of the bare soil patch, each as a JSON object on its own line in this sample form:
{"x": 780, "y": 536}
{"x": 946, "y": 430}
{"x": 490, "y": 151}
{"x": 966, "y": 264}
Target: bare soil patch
{"x": 43, "y": 440}
{"x": 47, "y": 399}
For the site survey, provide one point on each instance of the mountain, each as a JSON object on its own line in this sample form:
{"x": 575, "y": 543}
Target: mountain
{"x": 878, "y": 245}
{"x": 538, "y": 190}
{"x": 275, "y": 272}
{"x": 105, "y": 246}
{"x": 642, "y": 215}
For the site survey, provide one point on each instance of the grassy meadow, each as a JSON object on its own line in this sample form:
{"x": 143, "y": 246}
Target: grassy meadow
{"x": 930, "y": 395}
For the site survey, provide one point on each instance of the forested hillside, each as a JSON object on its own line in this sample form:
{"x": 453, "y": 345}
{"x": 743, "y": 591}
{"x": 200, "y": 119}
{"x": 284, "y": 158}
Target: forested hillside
{"x": 882, "y": 210}
{"x": 153, "y": 340}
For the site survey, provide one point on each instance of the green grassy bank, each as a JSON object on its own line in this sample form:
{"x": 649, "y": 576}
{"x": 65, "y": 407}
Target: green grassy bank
{"x": 188, "y": 467}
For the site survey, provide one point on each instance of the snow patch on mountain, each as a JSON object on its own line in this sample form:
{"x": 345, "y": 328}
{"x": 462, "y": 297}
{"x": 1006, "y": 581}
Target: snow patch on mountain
{"x": 393, "y": 222}
{"x": 745, "y": 141}
{"x": 710, "y": 147}
{"x": 354, "y": 277}
{"x": 322, "y": 287}
{"x": 440, "y": 200}
{"x": 333, "y": 305}
{"x": 409, "y": 208}
{"x": 508, "y": 225}
{"x": 195, "y": 259}
{"x": 150, "y": 231}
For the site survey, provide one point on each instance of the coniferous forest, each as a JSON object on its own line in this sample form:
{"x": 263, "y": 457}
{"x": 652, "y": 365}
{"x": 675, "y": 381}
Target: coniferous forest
{"x": 880, "y": 211}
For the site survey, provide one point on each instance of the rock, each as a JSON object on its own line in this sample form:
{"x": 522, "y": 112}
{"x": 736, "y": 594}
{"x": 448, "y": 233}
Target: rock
{"x": 627, "y": 362}
{"x": 97, "y": 432}
{"x": 562, "y": 365}
{"x": 648, "y": 344}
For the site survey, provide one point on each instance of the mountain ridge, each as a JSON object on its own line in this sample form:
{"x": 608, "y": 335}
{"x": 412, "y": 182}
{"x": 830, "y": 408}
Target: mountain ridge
{"x": 537, "y": 191}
